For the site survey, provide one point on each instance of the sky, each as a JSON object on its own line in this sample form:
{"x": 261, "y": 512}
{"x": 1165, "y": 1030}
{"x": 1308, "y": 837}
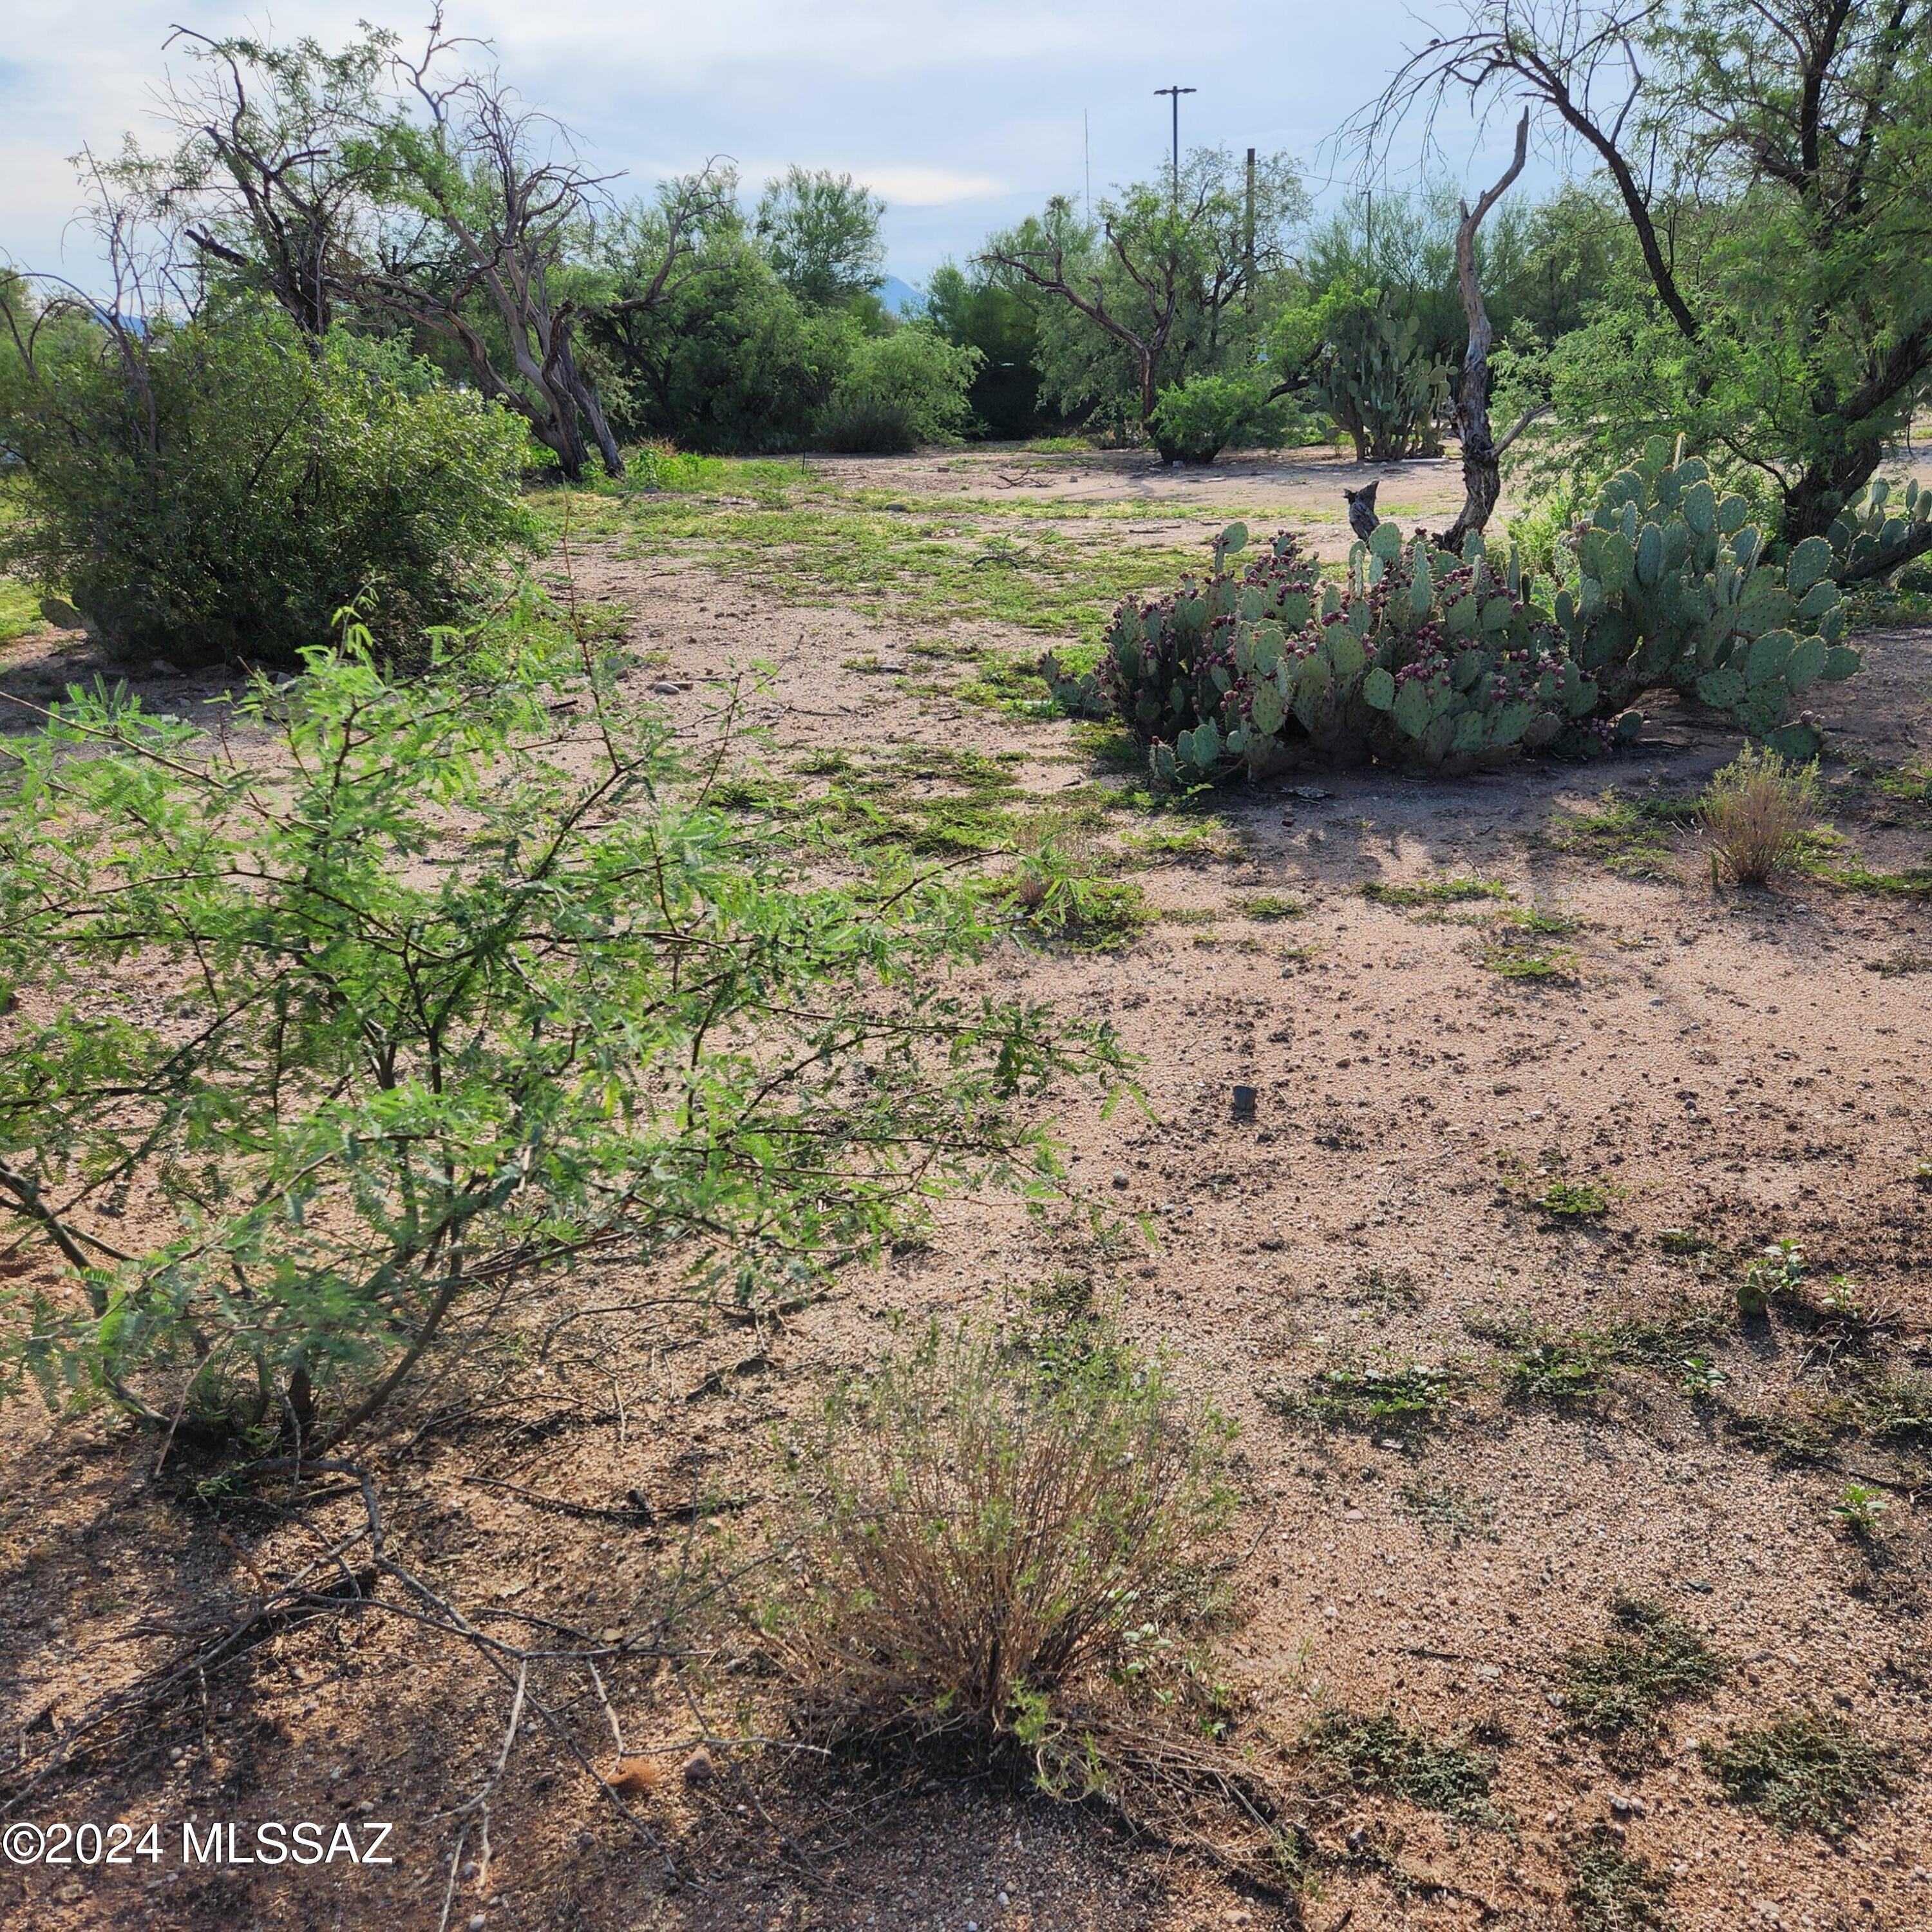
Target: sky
{"x": 964, "y": 116}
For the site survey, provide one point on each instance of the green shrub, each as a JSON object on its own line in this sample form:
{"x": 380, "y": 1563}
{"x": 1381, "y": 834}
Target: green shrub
{"x": 218, "y": 490}
{"x": 898, "y": 391}
{"x": 405, "y": 1004}
{"x": 1757, "y": 813}
{"x": 1194, "y": 421}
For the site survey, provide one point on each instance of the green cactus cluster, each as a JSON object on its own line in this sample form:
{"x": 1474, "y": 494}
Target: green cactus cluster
{"x": 1877, "y": 532}
{"x": 1445, "y": 662}
{"x": 1672, "y": 588}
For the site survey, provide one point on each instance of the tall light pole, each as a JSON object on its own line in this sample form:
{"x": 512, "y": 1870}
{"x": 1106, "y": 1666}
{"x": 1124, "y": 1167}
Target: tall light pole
{"x": 1176, "y": 92}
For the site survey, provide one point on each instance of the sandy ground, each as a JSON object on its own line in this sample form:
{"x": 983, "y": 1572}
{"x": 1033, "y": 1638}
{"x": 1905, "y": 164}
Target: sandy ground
{"x": 1743, "y": 1065}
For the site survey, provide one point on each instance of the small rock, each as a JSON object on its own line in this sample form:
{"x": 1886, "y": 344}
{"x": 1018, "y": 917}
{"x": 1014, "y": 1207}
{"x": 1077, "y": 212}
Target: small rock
{"x": 663, "y": 688}
{"x": 1358, "y": 1837}
{"x": 1489, "y": 1673}
{"x": 1624, "y": 1806}
{"x": 1245, "y": 1100}
{"x": 893, "y": 668}
{"x": 895, "y": 506}
{"x": 1351, "y": 1515}
{"x": 68, "y": 1893}
{"x": 1120, "y": 1177}
{"x": 698, "y": 1769}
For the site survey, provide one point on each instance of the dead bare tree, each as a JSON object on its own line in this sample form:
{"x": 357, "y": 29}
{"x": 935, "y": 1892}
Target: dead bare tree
{"x": 490, "y": 203}
{"x": 1808, "y": 106}
{"x": 1482, "y": 455}
{"x": 271, "y": 169}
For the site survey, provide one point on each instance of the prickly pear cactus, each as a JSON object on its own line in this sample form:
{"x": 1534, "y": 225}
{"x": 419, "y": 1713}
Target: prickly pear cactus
{"x": 1172, "y": 667}
{"x": 1424, "y": 659}
{"x": 1878, "y": 531}
{"x": 1673, "y": 589}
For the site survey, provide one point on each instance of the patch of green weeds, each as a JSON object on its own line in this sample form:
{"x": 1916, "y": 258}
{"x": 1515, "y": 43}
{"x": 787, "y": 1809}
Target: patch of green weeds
{"x": 928, "y": 569}
{"x": 1269, "y": 906}
{"x": 1610, "y": 1891}
{"x": 1803, "y": 1772}
{"x": 1618, "y": 1688}
{"x": 825, "y": 764}
{"x": 1436, "y": 892}
{"x": 1447, "y": 1509}
{"x": 1634, "y": 834}
{"x": 1575, "y": 1200}
{"x": 1685, "y": 1243}
{"x": 1199, "y": 841}
{"x": 1382, "y": 1753}
{"x": 1894, "y": 965}
{"x": 19, "y": 610}
{"x": 1519, "y": 961}
{"x": 1914, "y": 883}
{"x": 1406, "y": 1396}
{"x": 1540, "y": 920}
{"x": 1558, "y": 1366}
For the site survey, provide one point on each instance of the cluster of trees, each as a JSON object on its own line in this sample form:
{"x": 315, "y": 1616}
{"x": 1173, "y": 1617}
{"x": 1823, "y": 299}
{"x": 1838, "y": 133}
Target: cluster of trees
{"x": 1744, "y": 255}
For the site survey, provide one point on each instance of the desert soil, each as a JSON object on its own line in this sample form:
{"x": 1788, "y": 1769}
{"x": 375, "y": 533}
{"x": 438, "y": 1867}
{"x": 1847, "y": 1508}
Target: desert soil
{"x": 1742, "y": 1066}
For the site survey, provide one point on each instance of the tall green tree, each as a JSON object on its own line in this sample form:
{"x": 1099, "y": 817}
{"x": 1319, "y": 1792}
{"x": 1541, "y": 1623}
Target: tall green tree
{"x": 820, "y": 233}
{"x": 1771, "y": 163}
{"x": 1166, "y": 283}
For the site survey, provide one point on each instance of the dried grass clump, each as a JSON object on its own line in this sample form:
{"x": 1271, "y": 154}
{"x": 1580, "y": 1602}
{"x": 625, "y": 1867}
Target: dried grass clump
{"x": 1756, "y": 813}
{"x": 1006, "y": 1552}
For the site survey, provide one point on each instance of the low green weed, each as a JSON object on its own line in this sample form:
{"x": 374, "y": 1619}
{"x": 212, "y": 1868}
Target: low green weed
{"x": 1651, "y": 1660}
{"x": 1803, "y": 1772}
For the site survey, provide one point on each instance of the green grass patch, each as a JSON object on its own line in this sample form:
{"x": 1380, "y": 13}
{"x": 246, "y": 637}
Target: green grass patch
{"x": 1618, "y": 1689}
{"x": 1803, "y": 1772}
{"x": 1382, "y": 1753}
{"x": 1268, "y": 907}
{"x": 1529, "y": 964}
{"x": 1436, "y": 892}
{"x": 19, "y": 610}
{"x": 1634, "y": 834}
{"x": 1914, "y": 883}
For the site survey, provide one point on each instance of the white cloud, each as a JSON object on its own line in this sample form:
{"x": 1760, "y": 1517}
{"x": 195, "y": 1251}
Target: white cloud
{"x": 961, "y": 113}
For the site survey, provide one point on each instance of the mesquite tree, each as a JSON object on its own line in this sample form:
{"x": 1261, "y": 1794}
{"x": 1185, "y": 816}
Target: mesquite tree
{"x": 1771, "y": 163}
{"x": 311, "y": 1044}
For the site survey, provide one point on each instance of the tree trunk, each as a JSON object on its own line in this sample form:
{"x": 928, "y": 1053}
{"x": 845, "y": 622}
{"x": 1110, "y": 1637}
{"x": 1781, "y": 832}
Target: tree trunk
{"x": 1482, "y": 464}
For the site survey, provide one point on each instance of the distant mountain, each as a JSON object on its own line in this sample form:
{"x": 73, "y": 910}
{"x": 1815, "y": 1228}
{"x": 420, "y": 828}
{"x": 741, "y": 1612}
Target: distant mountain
{"x": 901, "y": 298}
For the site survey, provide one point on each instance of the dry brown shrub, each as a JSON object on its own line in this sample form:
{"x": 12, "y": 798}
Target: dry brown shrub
{"x": 1009, "y": 1553}
{"x": 1756, "y": 813}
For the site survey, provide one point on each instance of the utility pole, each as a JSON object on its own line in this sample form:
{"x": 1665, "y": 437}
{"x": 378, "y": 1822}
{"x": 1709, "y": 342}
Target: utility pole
{"x": 1176, "y": 92}
{"x": 1086, "y": 159}
{"x": 1248, "y": 246}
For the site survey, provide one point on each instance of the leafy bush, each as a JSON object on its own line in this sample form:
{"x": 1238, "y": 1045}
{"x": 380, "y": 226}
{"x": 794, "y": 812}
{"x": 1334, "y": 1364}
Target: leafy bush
{"x": 221, "y": 489}
{"x": 1756, "y": 813}
{"x": 1196, "y": 420}
{"x": 993, "y": 1545}
{"x": 899, "y": 391}
{"x": 408, "y": 1000}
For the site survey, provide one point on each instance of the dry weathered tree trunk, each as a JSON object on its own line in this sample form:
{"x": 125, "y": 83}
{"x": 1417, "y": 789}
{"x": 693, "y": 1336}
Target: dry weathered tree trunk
{"x": 1482, "y": 455}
